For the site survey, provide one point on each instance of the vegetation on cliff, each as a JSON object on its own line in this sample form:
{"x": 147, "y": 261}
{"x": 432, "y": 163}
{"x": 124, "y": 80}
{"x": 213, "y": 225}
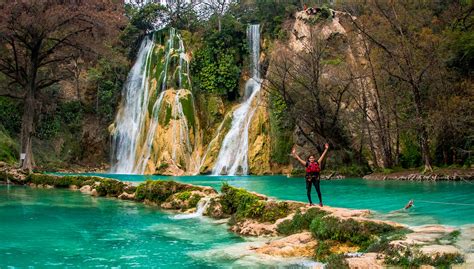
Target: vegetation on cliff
{"x": 398, "y": 94}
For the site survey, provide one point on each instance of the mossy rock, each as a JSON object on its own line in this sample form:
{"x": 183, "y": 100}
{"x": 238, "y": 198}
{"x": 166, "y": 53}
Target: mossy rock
{"x": 106, "y": 186}
{"x": 243, "y": 204}
{"x": 188, "y": 109}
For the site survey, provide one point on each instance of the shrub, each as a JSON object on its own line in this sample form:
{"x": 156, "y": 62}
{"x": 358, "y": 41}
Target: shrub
{"x": 323, "y": 250}
{"x": 411, "y": 256}
{"x": 183, "y": 196}
{"x": 300, "y": 221}
{"x": 336, "y": 261}
{"x": 194, "y": 200}
{"x": 359, "y": 233}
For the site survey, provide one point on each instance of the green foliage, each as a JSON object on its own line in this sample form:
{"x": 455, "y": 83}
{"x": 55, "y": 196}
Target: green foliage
{"x": 243, "y": 204}
{"x": 410, "y": 155}
{"x": 188, "y": 109}
{"x": 72, "y": 114}
{"x": 281, "y": 129}
{"x": 61, "y": 181}
{"x": 323, "y": 14}
{"x": 110, "y": 187}
{"x": 108, "y": 76}
{"x": 48, "y": 127}
{"x": 194, "y": 200}
{"x": 8, "y": 147}
{"x": 411, "y": 256}
{"x": 270, "y": 14}
{"x": 300, "y": 222}
{"x": 141, "y": 21}
{"x": 183, "y": 196}
{"x": 159, "y": 191}
{"x": 349, "y": 231}
{"x": 323, "y": 250}
{"x": 336, "y": 261}
{"x": 217, "y": 64}
{"x": 10, "y": 115}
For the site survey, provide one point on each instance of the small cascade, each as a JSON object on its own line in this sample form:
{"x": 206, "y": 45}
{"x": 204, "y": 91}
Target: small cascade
{"x": 233, "y": 154}
{"x": 156, "y": 123}
{"x": 201, "y": 207}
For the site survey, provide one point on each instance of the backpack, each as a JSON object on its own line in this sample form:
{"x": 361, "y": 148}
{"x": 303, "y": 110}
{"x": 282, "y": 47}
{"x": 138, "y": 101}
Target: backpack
{"x": 312, "y": 167}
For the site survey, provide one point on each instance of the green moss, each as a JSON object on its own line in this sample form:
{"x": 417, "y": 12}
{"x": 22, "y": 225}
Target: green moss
{"x": 281, "y": 129}
{"x": 183, "y": 196}
{"x": 159, "y": 191}
{"x": 166, "y": 117}
{"x": 188, "y": 110}
{"x": 243, "y": 204}
{"x": 194, "y": 200}
{"x": 110, "y": 187}
{"x": 107, "y": 186}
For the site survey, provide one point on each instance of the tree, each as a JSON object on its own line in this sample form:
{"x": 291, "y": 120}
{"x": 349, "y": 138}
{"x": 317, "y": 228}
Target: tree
{"x": 37, "y": 38}
{"x": 216, "y": 8}
{"x": 314, "y": 99}
{"x": 410, "y": 51}
{"x": 142, "y": 20}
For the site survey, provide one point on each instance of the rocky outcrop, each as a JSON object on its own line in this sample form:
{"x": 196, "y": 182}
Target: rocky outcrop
{"x": 251, "y": 227}
{"x": 296, "y": 245}
{"x": 259, "y": 139}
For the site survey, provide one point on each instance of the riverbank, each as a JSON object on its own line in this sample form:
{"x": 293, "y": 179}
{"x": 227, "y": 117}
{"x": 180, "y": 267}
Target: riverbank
{"x": 292, "y": 229}
{"x": 448, "y": 174}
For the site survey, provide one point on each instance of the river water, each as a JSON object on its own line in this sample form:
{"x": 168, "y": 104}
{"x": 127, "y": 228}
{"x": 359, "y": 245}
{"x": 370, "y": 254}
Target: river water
{"x": 447, "y": 203}
{"x": 63, "y": 228}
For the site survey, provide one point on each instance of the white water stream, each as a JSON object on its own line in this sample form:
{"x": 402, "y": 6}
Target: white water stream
{"x": 233, "y": 154}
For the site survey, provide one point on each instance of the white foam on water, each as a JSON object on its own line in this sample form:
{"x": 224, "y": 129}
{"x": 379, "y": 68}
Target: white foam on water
{"x": 201, "y": 207}
{"x": 241, "y": 255}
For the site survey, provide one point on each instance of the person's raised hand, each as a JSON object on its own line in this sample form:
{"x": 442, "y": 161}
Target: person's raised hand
{"x": 293, "y": 151}
{"x": 326, "y": 146}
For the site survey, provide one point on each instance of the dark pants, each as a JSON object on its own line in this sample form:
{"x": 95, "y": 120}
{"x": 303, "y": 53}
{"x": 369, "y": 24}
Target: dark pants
{"x": 315, "y": 181}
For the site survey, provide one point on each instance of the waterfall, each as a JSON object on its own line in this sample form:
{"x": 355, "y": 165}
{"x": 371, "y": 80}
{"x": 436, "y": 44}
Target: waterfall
{"x": 201, "y": 207}
{"x": 233, "y": 154}
{"x": 156, "y": 88}
{"x": 130, "y": 119}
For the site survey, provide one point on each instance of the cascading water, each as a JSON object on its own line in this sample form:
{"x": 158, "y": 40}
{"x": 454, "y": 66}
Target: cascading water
{"x": 233, "y": 154}
{"x": 129, "y": 121}
{"x": 157, "y": 87}
{"x": 201, "y": 207}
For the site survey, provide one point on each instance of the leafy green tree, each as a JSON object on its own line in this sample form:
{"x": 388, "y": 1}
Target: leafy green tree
{"x": 142, "y": 20}
{"x": 217, "y": 64}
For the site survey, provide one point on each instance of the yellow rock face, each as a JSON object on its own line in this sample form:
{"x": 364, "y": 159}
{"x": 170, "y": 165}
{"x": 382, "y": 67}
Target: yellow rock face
{"x": 259, "y": 140}
{"x": 176, "y": 144}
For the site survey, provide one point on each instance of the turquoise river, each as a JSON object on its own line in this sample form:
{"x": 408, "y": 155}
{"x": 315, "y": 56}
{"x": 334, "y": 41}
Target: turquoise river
{"x": 62, "y": 228}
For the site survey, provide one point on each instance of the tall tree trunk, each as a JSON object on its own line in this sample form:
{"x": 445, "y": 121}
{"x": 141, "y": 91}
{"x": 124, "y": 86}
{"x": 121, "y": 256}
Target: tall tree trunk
{"x": 423, "y": 134}
{"x": 27, "y": 128}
